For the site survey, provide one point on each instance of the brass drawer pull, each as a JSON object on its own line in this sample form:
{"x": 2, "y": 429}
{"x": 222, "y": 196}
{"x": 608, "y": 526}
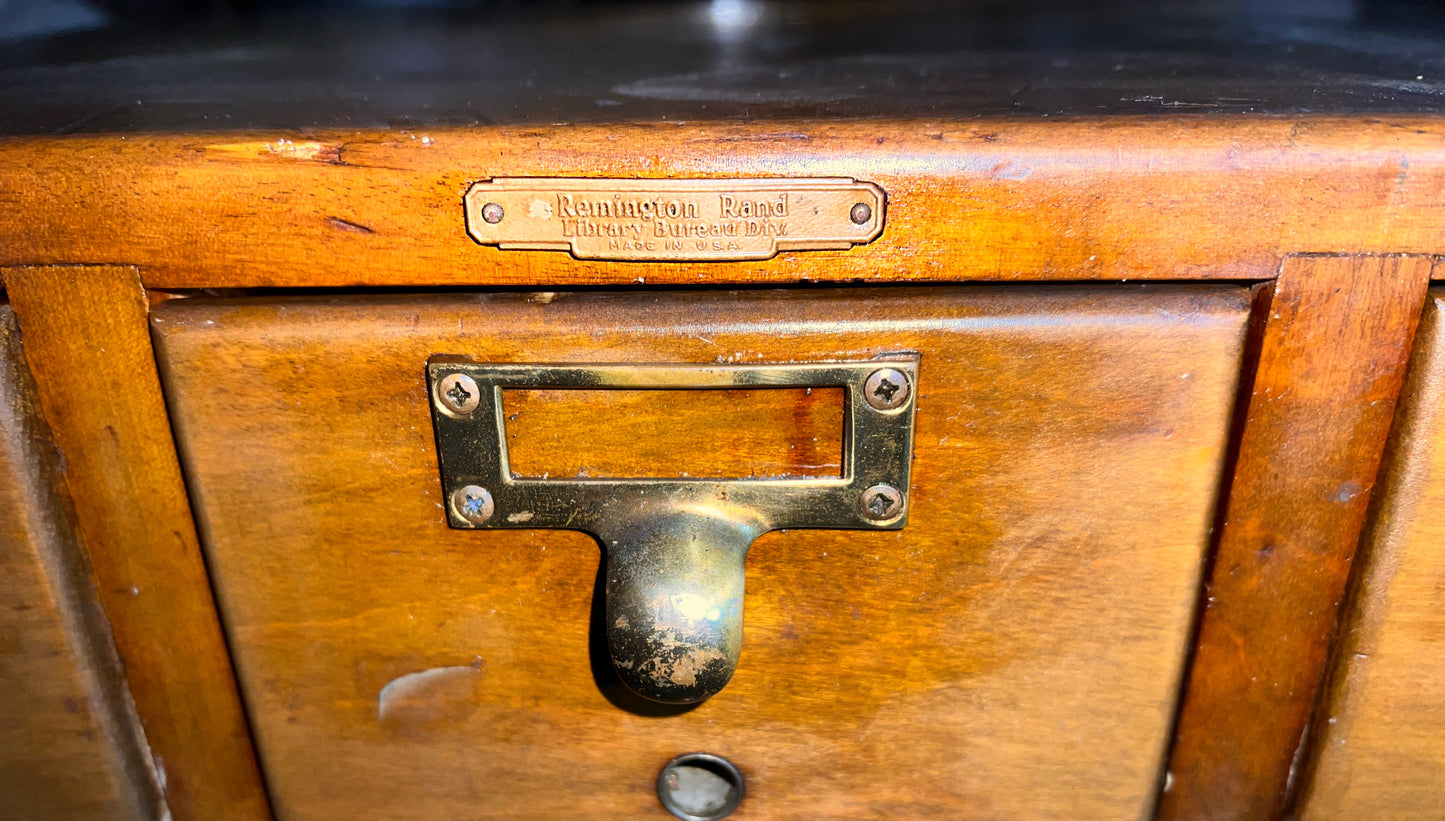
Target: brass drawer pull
{"x": 675, "y": 547}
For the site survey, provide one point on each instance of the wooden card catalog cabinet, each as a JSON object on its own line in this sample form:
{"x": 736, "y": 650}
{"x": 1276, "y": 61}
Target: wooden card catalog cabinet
{"x": 1035, "y": 610}
{"x": 798, "y": 411}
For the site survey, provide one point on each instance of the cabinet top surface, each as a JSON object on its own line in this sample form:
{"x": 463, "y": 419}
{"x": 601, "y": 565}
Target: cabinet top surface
{"x": 729, "y": 60}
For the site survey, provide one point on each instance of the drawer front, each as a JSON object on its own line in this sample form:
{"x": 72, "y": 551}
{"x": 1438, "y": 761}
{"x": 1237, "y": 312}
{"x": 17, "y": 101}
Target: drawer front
{"x": 1014, "y": 652}
{"x": 1379, "y": 739}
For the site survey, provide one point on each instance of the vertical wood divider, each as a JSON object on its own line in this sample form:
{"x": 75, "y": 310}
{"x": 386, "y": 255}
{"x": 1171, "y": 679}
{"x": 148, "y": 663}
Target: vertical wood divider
{"x": 86, "y": 337}
{"x": 1331, "y": 360}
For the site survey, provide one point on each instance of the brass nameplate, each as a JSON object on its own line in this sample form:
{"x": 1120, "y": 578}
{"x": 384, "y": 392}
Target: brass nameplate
{"x": 674, "y": 219}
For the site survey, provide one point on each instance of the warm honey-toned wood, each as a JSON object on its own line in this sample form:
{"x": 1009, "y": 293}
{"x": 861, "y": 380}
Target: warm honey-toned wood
{"x": 1014, "y": 653}
{"x": 1135, "y": 147}
{"x": 1331, "y": 360}
{"x": 1378, "y": 742}
{"x": 745, "y": 432}
{"x": 1121, "y": 198}
{"x": 86, "y": 340}
{"x": 71, "y": 748}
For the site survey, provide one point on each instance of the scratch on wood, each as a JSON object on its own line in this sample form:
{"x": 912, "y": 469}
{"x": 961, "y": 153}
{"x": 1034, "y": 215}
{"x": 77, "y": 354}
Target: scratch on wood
{"x": 345, "y": 225}
{"x": 425, "y": 702}
{"x": 312, "y": 151}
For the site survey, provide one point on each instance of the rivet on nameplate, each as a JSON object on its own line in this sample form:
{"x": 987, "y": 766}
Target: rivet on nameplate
{"x": 674, "y": 220}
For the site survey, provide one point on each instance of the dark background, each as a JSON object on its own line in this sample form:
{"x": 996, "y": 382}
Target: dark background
{"x": 31, "y": 18}
{"x": 85, "y": 66}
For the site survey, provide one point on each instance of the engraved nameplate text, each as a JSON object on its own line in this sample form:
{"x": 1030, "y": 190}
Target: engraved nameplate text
{"x": 674, "y": 219}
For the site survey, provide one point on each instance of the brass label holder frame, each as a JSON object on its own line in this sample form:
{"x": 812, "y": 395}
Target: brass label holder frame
{"x": 675, "y": 548}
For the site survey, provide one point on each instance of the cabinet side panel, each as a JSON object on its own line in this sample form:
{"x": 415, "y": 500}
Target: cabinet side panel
{"x": 87, "y": 342}
{"x": 1379, "y": 751}
{"x": 70, "y": 744}
{"x": 1333, "y": 352}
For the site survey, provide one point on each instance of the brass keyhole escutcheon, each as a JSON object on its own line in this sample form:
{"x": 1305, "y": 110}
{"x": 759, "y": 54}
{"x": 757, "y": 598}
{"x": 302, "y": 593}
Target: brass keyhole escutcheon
{"x": 675, "y": 548}
{"x": 700, "y": 787}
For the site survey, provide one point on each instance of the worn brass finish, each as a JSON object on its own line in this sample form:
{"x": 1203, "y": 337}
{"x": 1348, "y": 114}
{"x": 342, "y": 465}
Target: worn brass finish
{"x": 675, "y": 547}
{"x": 693, "y": 219}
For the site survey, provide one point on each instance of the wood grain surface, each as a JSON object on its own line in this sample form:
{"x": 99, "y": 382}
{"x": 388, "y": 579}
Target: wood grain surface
{"x": 1071, "y": 199}
{"x": 1332, "y": 356}
{"x": 729, "y": 434}
{"x": 86, "y": 341}
{"x": 1014, "y": 653}
{"x": 1378, "y": 742}
{"x": 71, "y": 747}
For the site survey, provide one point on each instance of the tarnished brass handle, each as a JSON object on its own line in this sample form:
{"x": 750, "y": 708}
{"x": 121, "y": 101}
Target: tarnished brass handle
{"x": 675, "y": 548}
{"x": 675, "y": 603}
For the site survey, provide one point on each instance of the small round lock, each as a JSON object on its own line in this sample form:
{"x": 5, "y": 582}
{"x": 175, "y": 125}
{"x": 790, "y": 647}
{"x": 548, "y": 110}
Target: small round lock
{"x": 882, "y": 503}
{"x": 861, "y": 213}
{"x": 887, "y": 389}
{"x": 700, "y": 787}
{"x": 473, "y": 503}
{"x": 458, "y": 393}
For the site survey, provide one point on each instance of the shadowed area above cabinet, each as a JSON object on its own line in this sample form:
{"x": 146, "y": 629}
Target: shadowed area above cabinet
{"x": 729, "y": 60}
